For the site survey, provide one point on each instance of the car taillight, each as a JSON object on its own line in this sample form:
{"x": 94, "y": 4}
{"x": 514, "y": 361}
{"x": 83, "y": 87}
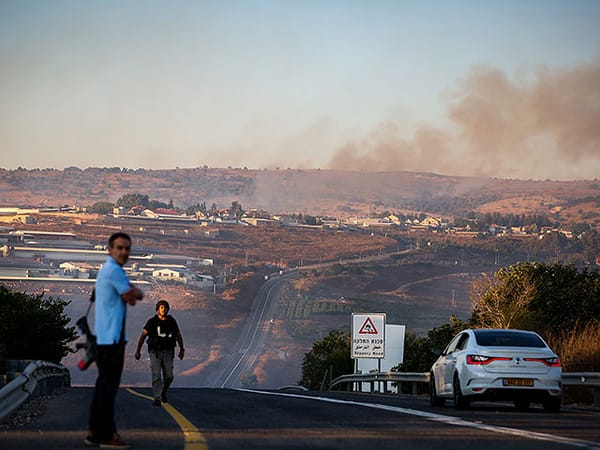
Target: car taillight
{"x": 483, "y": 360}
{"x": 551, "y": 362}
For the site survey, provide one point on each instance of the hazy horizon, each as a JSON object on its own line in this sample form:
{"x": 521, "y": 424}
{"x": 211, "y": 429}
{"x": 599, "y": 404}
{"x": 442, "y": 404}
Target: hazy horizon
{"x": 507, "y": 89}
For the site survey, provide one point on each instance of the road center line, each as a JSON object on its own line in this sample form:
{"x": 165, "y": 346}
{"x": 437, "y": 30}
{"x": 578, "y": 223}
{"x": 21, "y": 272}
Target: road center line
{"x": 193, "y": 438}
{"x": 449, "y": 420}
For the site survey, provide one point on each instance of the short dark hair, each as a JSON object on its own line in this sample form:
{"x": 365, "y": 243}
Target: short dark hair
{"x": 117, "y": 235}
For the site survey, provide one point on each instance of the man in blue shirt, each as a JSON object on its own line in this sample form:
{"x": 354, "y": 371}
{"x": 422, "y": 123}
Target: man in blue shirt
{"x": 113, "y": 292}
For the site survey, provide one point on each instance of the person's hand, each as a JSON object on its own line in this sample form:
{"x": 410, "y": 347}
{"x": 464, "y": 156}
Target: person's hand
{"x": 181, "y": 352}
{"x": 139, "y": 294}
{"x": 133, "y": 295}
{"x": 137, "y": 355}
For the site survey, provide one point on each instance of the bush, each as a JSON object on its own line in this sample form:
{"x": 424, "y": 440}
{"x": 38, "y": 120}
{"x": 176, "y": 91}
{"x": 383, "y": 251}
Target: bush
{"x": 33, "y": 327}
{"x": 328, "y": 359}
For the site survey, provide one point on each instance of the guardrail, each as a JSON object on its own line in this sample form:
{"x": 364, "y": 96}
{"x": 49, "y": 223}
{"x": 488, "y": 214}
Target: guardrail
{"x": 39, "y": 378}
{"x": 354, "y": 382}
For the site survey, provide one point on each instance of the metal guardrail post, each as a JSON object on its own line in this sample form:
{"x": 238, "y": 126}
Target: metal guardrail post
{"x": 38, "y": 378}
{"x": 589, "y": 379}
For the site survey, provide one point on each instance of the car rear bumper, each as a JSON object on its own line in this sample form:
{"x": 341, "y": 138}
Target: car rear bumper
{"x": 496, "y": 387}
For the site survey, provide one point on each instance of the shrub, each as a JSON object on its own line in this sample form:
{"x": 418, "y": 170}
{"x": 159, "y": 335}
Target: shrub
{"x": 328, "y": 358}
{"x": 33, "y": 327}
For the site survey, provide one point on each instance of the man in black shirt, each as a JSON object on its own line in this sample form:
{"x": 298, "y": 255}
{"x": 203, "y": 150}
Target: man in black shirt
{"x": 162, "y": 332}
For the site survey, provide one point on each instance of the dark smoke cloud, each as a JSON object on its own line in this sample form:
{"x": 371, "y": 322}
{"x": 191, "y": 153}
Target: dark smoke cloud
{"x": 540, "y": 124}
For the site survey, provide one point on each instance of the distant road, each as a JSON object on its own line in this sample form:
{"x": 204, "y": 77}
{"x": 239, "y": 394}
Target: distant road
{"x": 363, "y": 259}
{"x": 249, "y": 346}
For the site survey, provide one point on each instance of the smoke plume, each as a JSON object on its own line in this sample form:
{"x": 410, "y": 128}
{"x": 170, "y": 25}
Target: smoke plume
{"x": 540, "y": 124}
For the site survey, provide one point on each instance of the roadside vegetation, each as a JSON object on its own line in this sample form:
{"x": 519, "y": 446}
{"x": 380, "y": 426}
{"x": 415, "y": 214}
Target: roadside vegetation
{"x": 33, "y": 327}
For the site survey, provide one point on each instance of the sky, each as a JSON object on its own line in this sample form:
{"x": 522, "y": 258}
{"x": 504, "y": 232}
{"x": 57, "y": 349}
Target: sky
{"x": 506, "y": 89}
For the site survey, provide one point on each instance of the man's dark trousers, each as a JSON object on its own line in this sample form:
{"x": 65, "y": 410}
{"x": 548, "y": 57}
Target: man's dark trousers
{"x": 110, "y": 360}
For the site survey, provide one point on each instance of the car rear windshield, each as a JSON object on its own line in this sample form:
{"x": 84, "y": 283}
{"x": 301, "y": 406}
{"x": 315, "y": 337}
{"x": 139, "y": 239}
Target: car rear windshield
{"x": 507, "y": 339}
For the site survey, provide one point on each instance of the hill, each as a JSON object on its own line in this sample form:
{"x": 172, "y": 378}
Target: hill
{"x": 314, "y": 192}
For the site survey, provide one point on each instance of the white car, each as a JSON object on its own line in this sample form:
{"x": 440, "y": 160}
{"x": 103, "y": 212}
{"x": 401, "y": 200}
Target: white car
{"x": 497, "y": 364}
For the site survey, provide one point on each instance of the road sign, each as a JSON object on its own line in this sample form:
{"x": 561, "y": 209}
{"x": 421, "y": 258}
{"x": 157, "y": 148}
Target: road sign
{"x": 368, "y": 335}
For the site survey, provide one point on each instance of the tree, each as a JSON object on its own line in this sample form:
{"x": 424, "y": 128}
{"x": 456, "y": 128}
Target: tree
{"x": 439, "y": 337}
{"x": 546, "y": 298}
{"x": 329, "y": 357}
{"x": 415, "y": 350}
{"x": 236, "y": 209}
{"x": 421, "y": 352}
{"x": 128, "y": 201}
{"x": 191, "y": 210}
{"x": 102, "y": 208}
{"x": 502, "y": 301}
{"x": 155, "y": 204}
{"x": 33, "y": 327}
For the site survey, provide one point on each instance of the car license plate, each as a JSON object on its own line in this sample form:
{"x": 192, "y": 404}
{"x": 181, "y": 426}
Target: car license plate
{"x": 521, "y": 382}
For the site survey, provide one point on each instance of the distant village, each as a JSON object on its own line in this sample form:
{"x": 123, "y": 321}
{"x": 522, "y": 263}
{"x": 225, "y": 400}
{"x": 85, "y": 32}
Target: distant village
{"x": 254, "y": 217}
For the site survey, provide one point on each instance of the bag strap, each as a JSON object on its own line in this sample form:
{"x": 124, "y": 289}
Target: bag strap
{"x": 92, "y": 300}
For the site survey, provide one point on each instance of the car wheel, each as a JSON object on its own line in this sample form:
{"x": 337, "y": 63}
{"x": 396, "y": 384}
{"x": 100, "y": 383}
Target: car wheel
{"x": 460, "y": 402}
{"x": 433, "y": 397}
{"x": 522, "y": 405}
{"x": 552, "y": 404}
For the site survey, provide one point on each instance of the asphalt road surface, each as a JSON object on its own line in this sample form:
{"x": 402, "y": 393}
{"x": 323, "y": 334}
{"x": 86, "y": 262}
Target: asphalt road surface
{"x": 219, "y": 419}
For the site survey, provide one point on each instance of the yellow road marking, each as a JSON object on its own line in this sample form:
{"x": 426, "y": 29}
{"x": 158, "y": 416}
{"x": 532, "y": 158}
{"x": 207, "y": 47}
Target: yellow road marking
{"x": 193, "y": 438}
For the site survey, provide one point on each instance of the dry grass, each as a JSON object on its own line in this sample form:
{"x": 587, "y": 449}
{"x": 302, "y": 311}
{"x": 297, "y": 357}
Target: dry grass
{"x": 579, "y": 350}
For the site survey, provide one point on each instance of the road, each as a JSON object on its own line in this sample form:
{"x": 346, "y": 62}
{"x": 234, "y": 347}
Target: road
{"x": 220, "y": 419}
{"x": 249, "y": 346}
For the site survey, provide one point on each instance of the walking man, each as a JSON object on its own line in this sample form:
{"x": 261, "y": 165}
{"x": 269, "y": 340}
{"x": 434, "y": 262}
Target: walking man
{"x": 114, "y": 292}
{"x": 162, "y": 332}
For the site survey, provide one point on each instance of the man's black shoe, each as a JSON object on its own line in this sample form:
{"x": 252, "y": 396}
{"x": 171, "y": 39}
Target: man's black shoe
{"x": 163, "y": 397}
{"x": 91, "y": 441}
{"x": 156, "y": 402}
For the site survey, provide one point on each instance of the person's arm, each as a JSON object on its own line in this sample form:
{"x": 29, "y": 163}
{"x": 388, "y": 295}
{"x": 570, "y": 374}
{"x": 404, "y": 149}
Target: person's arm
{"x": 132, "y": 295}
{"x": 140, "y": 343}
{"x": 180, "y": 342}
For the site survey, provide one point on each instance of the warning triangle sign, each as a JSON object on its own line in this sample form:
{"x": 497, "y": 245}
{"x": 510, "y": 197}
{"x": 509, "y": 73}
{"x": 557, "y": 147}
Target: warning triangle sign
{"x": 368, "y": 327}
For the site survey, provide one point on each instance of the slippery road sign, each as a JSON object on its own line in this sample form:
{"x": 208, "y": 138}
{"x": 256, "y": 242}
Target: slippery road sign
{"x": 368, "y": 335}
